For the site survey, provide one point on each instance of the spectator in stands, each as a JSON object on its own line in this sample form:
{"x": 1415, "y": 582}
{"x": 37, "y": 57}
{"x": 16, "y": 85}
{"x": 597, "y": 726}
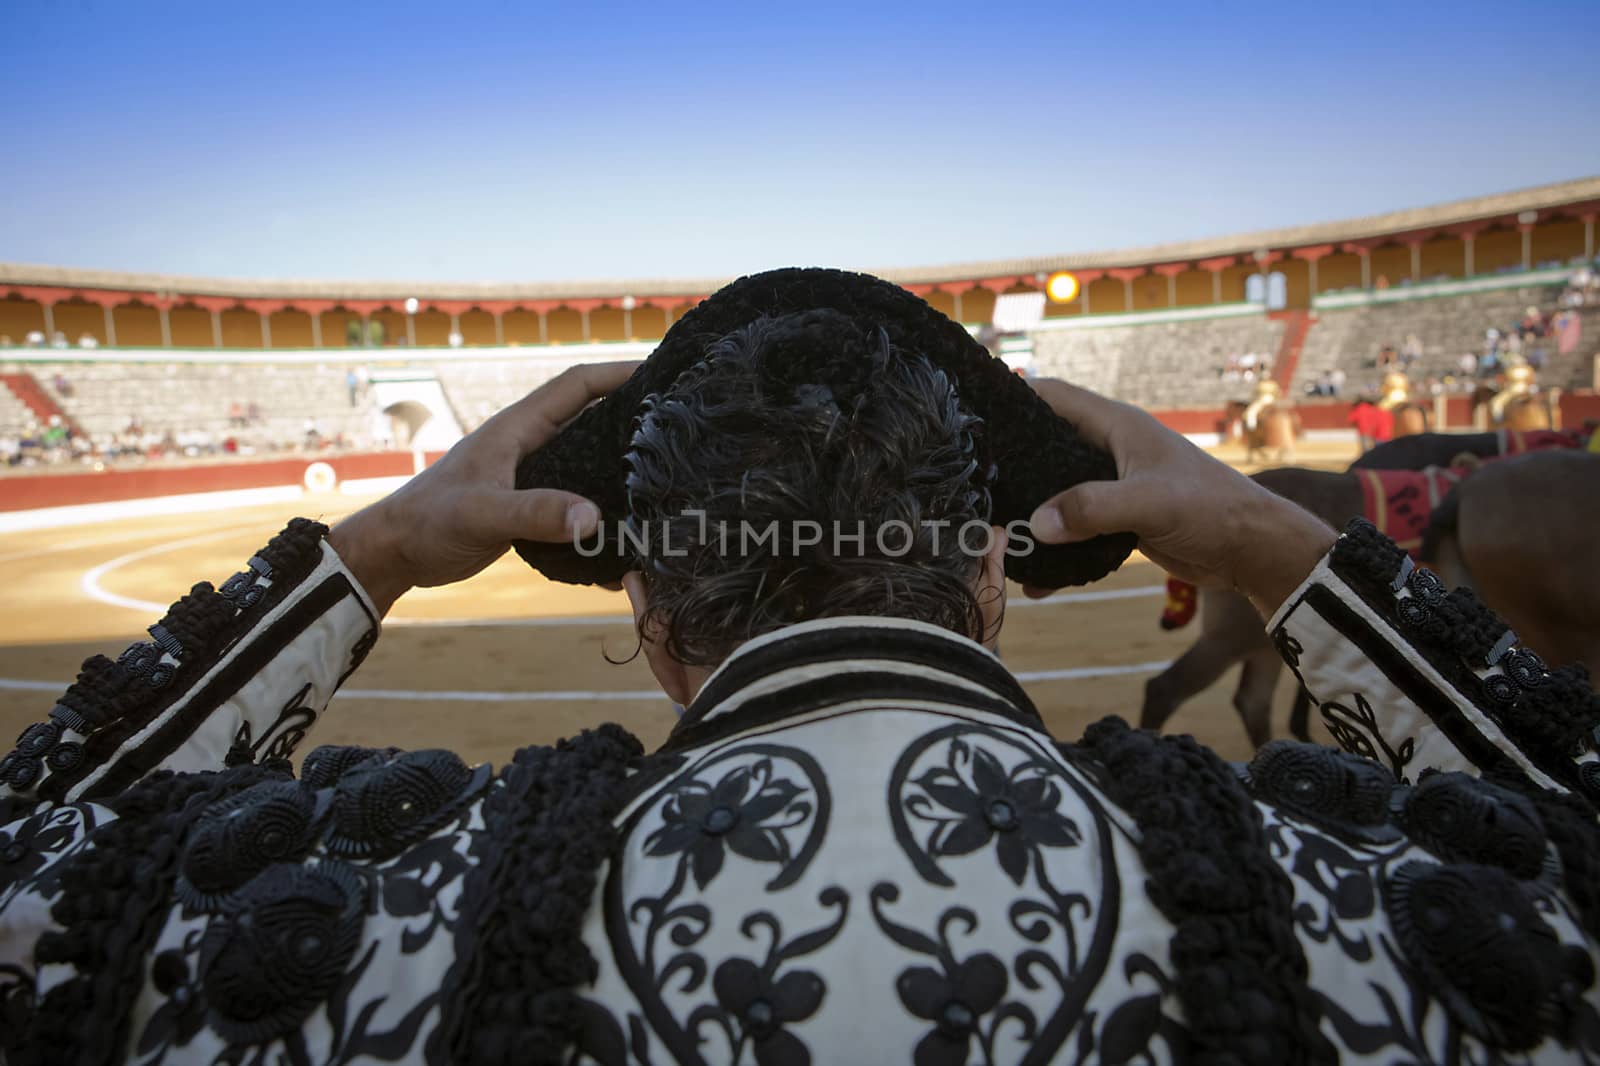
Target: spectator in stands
{"x": 1533, "y": 322}
{"x": 88, "y": 340}
{"x": 10, "y": 449}
{"x": 58, "y": 339}
{"x": 252, "y": 414}
{"x": 1410, "y": 350}
{"x": 60, "y": 383}
{"x": 236, "y": 415}
{"x": 1568, "y": 330}
{"x": 1468, "y": 364}
{"x": 35, "y": 338}
{"x": 1336, "y": 380}
{"x": 352, "y": 384}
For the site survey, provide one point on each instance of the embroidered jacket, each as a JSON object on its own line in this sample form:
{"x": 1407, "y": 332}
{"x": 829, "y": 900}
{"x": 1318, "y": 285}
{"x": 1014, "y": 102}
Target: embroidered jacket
{"x": 859, "y": 846}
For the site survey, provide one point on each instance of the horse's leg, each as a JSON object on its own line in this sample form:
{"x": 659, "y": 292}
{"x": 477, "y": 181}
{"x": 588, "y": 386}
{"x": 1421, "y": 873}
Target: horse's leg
{"x": 1196, "y": 669}
{"x": 1253, "y": 698}
{"x": 1230, "y": 630}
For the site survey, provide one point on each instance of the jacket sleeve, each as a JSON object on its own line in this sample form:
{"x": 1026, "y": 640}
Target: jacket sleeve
{"x": 231, "y": 675}
{"x": 1422, "y": 677}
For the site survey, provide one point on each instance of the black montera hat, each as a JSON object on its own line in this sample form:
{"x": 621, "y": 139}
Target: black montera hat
{"x": 1034, "y": 453}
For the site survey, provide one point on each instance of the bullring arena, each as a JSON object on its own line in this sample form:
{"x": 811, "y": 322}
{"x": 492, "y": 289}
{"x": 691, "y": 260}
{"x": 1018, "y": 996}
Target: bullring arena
{"x": 159, "y": 429}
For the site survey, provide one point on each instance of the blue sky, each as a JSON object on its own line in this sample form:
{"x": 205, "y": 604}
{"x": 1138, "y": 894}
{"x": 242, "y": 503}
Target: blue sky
{"x": 510, "y": 141}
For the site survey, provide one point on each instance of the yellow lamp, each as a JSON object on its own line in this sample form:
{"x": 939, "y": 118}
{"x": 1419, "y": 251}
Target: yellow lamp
{"x": 1062, "y": 288}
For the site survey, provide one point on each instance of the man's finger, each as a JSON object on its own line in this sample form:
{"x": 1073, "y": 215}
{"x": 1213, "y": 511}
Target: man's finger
{"x": 550, "y": 515}
{"x": 1088, "y": 510}
{"x": 535, "y": 418}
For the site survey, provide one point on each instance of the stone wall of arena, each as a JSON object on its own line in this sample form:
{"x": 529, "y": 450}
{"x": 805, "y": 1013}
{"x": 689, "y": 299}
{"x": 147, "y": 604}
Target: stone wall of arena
{"x": 31, "y": 492}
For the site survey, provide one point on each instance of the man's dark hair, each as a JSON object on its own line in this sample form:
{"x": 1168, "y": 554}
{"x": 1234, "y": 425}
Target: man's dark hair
{"x": 749, "y": 436}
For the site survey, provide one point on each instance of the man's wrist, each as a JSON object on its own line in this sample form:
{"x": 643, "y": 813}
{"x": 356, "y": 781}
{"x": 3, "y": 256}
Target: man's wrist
{"x": 362, "y": 542}
{"x": 1283, "y": 544}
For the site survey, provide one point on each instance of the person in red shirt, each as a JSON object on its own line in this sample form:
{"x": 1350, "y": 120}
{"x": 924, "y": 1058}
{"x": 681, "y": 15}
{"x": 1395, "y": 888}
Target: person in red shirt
{"x": 1364, "y": 416}
{"x": 1383, "y": 424}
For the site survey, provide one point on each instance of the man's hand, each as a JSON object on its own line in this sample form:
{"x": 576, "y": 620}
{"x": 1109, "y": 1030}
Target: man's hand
{"x": 462, "y": 513}
{"x": 1195, "y": 517}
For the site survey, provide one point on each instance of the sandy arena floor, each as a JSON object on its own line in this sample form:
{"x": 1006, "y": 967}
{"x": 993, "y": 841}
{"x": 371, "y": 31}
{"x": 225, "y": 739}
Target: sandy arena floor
{"x": 509, "y": 659}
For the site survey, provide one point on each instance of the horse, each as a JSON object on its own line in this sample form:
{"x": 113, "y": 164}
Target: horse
{"x": 1418, "y": 450}
{"x": 1521, "y": 533}
{"x": 1410, "y": 419}
{"x": 1526, "y": 411}
{"x": 1543, "y": 577}
{"x": 1277, "y": 428}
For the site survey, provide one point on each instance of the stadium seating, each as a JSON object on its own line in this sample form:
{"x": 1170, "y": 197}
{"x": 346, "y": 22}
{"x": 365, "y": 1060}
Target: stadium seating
{"x": 196, "y": 397}
{"x": 478, "y": 388}
{"x": 1164, "y": 365}
{"x": 1448, "y": 326}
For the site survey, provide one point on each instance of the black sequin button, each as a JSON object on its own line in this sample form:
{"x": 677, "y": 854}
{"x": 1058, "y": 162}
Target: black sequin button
{"x": 1001, "y": 815}
{"x": 719, "y": 820}
{"x": 956, "y": 1018}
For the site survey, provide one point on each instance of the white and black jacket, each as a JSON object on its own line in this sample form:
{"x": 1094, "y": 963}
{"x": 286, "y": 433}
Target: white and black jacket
{"x": 860, "y": 845}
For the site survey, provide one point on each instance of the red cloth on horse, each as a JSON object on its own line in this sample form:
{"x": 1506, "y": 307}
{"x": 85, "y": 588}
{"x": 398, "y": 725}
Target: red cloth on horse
{"x": 1399, "y": 502}
{"x": 1516, "y": 441}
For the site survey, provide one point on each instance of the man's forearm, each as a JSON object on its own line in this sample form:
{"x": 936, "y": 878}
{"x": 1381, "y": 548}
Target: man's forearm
{"x": 233, "y": 674}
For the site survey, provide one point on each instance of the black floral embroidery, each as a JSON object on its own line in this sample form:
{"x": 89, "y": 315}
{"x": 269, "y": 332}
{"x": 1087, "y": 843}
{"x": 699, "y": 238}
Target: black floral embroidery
{"x": 280, "y": 739}
{"x": 361, "y": 649}
{"x": 27, "y": 846}
{"x": 986, "y": 801}
{"x": 962, "y": 997}
{"x": 1356, "y": 731}
{"x": 756, "y": 1004}
{"x": 178, "y": 1020}
{"x": 765, "y": 1007}
{"x": 1289, "y": 648}
{"x": 953, "y": 999}
{"x": 756, "y": 803}
{"x": 1135, "y": 1023}
{"x": 747, "y": 812}
{"x": 944, "y": 791}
